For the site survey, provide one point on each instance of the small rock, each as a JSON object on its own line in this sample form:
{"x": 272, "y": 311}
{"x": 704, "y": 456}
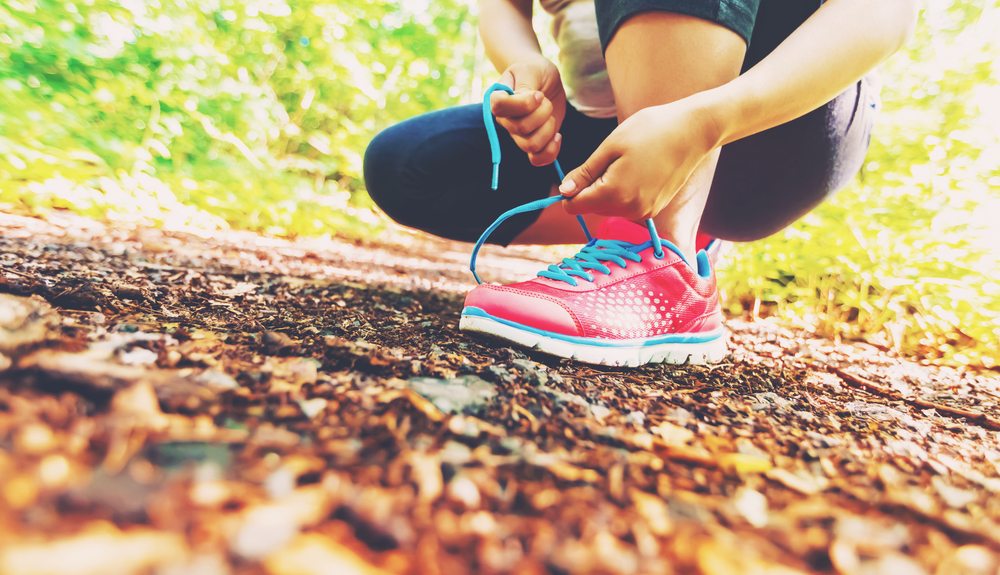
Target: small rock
{"x": 209, "y": 493}
{"x": 216, "y": 380}
{"x": 752, "y": 506}
{"x": 636, "y": 418}
{"x": 770, "y": 401}
{"x": 312, "y": 407}
{"x": 563, "y": 397}
{"x": 953, "y": 496}
{"x": 463, "y": 491}
{"x": 873, "y": 410}
{"x": 534, "y": 372}
{"x": 455, "y": 453}
{"x": 97, "y": 548}
{"x": 137, "y": 356}
{"x": 138, "y": 405}
{"x": 264, "y": 530}
{"x": 880, "y": 412}
{"x": 316, "y": 554}
{"x": 599, "y": 412}
{"x": 463, "y": 426}
{"x": 125, "y": 290}
{"x": 426, "y": 473}
{"x": 654, "y": 510}
{"x": 24, "y": 321}
{"x": 971, "y": 559}
{"x": 500, "y": 373}
{"x": 680, "y": 416}
{"x": 275, "y": 341}
{"x": 240, "y": 289}
{"x": 34, "y": 439}
{"x": 280, "y": 483}
{"x": 673, "y": 434}
{"x": 456, "y": 395}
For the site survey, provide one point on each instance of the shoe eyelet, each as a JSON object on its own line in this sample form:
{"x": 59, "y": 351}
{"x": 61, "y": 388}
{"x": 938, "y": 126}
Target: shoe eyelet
{"x": 660, "y": 255}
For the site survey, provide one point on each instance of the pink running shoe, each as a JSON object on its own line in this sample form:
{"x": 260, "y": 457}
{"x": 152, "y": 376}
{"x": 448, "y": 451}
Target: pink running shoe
{"x": 627, "y": 301}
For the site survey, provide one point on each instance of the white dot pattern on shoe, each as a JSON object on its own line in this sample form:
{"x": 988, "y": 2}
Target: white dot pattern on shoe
{"x": 630, "y": 312}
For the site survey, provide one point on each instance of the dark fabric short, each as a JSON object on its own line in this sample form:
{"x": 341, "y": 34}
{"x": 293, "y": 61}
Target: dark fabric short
{"x": 432, "y": 172}
{"x": 763, "y": 24}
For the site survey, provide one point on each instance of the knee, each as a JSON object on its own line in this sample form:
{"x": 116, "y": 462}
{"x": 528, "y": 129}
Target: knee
{"x": 734, "y": 227}
{"x": 384, "y": 169}
{"x": 754, "y": 195}
{"x": 740, "y": 229}
{"x": 754, "y": 215}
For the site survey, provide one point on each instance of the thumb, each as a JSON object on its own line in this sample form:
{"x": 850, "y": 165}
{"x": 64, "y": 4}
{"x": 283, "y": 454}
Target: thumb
{"x": 507, "y": 79}
{"x": 589, "y": 171}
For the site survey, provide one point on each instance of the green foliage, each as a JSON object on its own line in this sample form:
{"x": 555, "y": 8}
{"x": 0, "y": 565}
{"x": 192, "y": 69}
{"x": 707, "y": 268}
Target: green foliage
{"x": 197, "y": 112}
{"x": 908, "y": 255}
{"x": 256, "y": 115}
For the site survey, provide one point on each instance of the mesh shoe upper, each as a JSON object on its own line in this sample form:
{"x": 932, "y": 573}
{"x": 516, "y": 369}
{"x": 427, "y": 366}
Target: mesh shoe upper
{"x": 646, "y": 299}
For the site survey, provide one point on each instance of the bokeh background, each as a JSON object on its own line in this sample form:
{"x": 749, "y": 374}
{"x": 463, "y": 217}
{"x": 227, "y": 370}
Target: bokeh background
{"x": 254, "y": 114}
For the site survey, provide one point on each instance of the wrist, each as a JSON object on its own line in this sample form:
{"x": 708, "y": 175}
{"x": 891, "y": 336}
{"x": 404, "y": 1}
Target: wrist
{"x": 738, "y": 109}
{"x": 719, "y": 112}
{"x": 526, "y": 57}
{"x": 538, "y": 59}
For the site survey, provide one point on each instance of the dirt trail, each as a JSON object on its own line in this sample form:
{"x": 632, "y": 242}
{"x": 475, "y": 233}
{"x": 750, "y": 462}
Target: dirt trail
{"x": 173, "y": 403}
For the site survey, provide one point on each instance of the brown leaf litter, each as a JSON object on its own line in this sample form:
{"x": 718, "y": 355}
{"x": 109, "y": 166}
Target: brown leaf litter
{"x": 171, "y": 403}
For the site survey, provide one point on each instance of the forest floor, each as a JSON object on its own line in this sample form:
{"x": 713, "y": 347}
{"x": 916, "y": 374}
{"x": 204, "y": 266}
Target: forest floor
{"x": 173, "y": 403}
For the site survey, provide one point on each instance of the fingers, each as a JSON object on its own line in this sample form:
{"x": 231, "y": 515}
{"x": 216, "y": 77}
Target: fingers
{"x": 528, "y": 116}
{"x": 535, "y": 133}
{"x": 596, "y": 186}
{"x": 598, "y": 198}
{"x": 588, "y": 173}
{"x": 515, "y": 105}
{"x": 525, "y": 125}
{"x": 609, "y": 196}
{"x": 549, "y": 154}
{"x": 536, "y": 141}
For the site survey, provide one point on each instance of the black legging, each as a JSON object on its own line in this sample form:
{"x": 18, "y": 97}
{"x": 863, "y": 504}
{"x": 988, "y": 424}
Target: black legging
{"x": 432, "y": 172}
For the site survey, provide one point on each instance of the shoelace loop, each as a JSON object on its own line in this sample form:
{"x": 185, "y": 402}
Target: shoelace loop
{"x": 588, "y": 256}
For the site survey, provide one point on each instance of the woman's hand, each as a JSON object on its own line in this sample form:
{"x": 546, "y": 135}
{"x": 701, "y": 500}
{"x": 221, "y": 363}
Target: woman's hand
{"x": 535, "y": 112}
{"x": 639, "y": 168}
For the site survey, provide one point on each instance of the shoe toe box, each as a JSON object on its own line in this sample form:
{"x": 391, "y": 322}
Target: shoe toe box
{"x": 525, "y": 308}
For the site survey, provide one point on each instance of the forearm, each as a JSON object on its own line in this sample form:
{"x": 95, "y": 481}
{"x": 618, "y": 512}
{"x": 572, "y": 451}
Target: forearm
{"x": 832, "y": 50}
{"x": 505, "y": 27}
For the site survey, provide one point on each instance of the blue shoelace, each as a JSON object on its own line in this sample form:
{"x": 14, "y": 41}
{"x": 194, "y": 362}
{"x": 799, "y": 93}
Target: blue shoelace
{"x": 592, "y": 254}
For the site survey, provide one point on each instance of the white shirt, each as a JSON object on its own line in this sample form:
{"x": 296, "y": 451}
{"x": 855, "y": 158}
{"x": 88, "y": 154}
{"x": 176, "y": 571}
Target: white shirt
{"x": 584, "y": 74}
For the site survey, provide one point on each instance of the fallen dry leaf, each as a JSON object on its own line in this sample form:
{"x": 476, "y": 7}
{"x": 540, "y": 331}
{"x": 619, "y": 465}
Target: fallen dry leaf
{"x": 237, "y": 403}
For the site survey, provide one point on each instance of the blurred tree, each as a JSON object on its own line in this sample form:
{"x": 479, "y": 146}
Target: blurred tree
{"x": 254, "y": 112}
{"x": 908, "y": 255}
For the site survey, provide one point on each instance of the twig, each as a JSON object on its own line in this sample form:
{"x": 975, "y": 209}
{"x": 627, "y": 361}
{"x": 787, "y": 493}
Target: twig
{"x": 17, "y": 273}
{"x": 862, "y": 383}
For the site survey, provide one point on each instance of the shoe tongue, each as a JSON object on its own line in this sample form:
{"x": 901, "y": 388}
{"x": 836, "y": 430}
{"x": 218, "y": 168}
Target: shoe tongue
{"x": 623, "y": 230}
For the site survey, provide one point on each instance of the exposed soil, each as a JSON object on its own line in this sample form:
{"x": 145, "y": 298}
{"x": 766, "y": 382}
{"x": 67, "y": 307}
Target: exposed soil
{"x": 173, "y": 403}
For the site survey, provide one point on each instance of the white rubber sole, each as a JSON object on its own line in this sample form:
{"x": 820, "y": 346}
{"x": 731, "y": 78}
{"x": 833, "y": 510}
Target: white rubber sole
{"x": 701, "y": 353}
